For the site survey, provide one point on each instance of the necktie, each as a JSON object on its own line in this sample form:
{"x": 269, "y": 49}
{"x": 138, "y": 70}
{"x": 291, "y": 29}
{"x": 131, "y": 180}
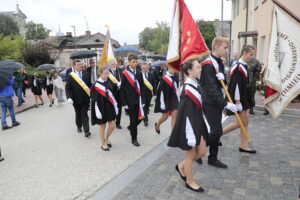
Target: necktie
{"x": 80, "y": 75}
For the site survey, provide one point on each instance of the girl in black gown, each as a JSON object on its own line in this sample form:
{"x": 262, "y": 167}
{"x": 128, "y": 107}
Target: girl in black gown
{"x": 104, "y": 108}
{"x": 190, "y": 132}
{"x": 239, "y": 90}
{"x": 167, "y": 98}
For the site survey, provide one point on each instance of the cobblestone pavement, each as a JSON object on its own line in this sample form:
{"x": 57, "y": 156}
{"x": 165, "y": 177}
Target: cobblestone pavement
{"x": 273, "y": 173}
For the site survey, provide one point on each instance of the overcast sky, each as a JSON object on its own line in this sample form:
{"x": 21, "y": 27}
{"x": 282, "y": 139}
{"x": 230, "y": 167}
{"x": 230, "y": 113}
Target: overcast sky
{"x": 126, "y": 18}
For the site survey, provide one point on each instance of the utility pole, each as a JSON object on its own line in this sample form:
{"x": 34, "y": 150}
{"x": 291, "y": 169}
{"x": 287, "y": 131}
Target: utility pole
{"x": 74, "y": 36}
{"x": 222, "y": 10}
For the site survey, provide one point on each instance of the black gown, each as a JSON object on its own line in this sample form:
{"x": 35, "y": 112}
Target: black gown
{"x": 188, "y": 109}
{"x": 240, "y": 78}
{"x": 170, "y": 98}
{"x": 105, "y": 106}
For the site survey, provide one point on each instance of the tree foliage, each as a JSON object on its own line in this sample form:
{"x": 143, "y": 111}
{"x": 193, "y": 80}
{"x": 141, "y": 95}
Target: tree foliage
{"x": 207, "y": 30}
{"x": 36, "y": 31}
{"x": 10, "y": 47}
{"x": 36, "y": 54}
{"x": 155, "y": 39}
{"x": 8, "y": 26}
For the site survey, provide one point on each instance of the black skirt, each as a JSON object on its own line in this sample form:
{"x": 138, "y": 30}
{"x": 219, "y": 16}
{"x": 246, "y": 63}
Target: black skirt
{"x": 37, "y": 91}
{"x": 49, "y": 89}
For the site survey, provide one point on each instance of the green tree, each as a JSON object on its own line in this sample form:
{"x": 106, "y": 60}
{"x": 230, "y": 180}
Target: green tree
{"x": 207, "y": 30}
{"x": 155, "y": 39}
{"x": 8, "y": 26}
{"x": 10, "y": 47}
{"x": 36, "y": 31}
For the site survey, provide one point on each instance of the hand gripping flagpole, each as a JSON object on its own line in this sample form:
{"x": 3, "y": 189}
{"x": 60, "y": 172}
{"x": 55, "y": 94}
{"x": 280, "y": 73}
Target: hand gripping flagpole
{"x": 244, "y": 131}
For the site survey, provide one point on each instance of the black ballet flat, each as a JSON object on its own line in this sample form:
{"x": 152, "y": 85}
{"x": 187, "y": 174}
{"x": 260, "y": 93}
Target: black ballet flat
{"x": 105, "y": 149}
{"x": 157, "y": 131}
{"x": 247, "y": 151}
{"x": 109, "y": 145}
{"x": 183, "y": 177}
{"x": 200, "y": 189}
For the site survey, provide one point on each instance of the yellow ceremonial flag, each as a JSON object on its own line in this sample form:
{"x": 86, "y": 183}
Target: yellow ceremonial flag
{"x": 107, "y": 51}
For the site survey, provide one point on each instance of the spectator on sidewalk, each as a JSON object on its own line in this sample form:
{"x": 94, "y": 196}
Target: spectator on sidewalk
{"x": 6, "y": 102}
{"x": 25, "y": 81}
{"x": 18, "y": 86}
{"x": 36, "y": 88}
{"x": 58, "y": 87}
{"x": 48, "y": 85}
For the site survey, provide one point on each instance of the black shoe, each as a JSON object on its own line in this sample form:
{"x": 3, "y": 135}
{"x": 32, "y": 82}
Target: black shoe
{"x": 109, "y": 145}
{"x": 50, "y": 105}
{"x": 105, "y": 149}
{"x": 128, "y": 127}
{"x": 1, "y": 159}
{"x": 6, "y": 127}
{"x": 16, "y": 124}
{"x": 200, "y": 189}
{"x": 217, "y": 163}
{"x": 79, "y": 130}
{"x": 199, "y": 161}
{"x": 266, "y": 112}
{"x": 136, "y": 143}
{"x": 182, "y": 177}
{"x": 146, "y": 123}
{"x": 247, "y": 151}
{"x": 220, "y": 144}
{"x": 87, "y": 134}
{"x": 157, "y": 131}
{"x": 42, "y": 104}
{"x": 119, "y": 126}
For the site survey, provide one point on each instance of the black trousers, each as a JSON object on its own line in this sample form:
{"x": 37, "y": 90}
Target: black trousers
{"x": 118, "y": 117}
{"x": 81, "y": 116}
{"x": 133, "y": 111}
{"x": 146, "y": 109}
{"x": 213, "y": 115}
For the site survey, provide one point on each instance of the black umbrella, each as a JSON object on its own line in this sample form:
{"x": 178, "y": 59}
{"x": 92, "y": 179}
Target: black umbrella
{"x": 7, "y": 69}
{"x": 20, "y": 65}
{"x": 44, "y": 67}
{"x": 83, "y": 54}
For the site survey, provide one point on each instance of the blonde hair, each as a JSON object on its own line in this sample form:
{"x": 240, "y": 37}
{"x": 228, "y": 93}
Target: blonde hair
{"x": 218, "y": 41}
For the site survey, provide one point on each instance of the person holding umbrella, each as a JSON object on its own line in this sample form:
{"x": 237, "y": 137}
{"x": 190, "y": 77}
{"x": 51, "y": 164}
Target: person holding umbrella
{"x": 36, "y": 88}
{"x": 18, "y": 85}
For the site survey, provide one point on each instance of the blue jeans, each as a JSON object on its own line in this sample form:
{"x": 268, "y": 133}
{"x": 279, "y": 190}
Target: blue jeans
{"x": 7, "y": 103}
{"x": 18, "y": 92}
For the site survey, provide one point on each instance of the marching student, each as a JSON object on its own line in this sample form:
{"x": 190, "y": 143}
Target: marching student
{"x": 167, "y": 98}
{"x": 48, "y": 86}
{"x": 239, "y": 90}
{"x": 78, "y": 93}
{"x": 104, "y": 107}
{"x": 36, "y": 89}
{"x": 190, "y": 131}
{"x": 115, "y": 79}
{"x": 213, "y": 97}
{"x": 148, "y": 88}
{"x": 132, "y": 96}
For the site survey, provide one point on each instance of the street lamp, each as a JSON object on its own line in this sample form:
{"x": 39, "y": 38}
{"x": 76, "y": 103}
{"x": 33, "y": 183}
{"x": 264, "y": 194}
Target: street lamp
{"x": 74, "y": 36}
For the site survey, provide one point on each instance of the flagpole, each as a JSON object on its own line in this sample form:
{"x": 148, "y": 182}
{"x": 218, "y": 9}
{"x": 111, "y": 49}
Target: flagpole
{"x": 244, "y": 131}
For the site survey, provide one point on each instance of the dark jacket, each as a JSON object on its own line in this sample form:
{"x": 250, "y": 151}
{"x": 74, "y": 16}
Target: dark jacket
{"x": 129, "y": 96}
{"x": 146, "y": 91}
{"x": 89, "y": 73}
{"x": 75, "y": 91}
{"x": 210, "y": 86}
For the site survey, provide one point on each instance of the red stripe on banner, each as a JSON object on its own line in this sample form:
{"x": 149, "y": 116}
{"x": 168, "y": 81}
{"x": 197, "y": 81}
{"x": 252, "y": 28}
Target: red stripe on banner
{"x": 131, "y": 82}
{"x": 194, "y": 99}
{"x": 167, "y": 81}
{"x": 269, "y": 92}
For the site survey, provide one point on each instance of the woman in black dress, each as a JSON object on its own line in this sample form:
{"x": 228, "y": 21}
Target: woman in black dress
{"x": 167, "y": 98}
{"x": 239, "y": 90}
{"x": 190, "y": 131}
{"x": 36, "y": 88}
{"x": 104, "y": 107}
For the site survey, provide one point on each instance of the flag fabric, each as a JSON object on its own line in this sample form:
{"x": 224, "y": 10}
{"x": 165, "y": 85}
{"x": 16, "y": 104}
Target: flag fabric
{"x": 283, "y": 72}
{"x": 185, "y": 39}
{"x": 107, "y": 51}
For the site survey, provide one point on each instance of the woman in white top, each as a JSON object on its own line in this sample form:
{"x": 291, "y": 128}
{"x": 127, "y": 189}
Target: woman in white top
{"x": 58, "y": 87}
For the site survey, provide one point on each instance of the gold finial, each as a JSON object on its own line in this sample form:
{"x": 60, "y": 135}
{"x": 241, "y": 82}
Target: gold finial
{"x": 106, "y": 26}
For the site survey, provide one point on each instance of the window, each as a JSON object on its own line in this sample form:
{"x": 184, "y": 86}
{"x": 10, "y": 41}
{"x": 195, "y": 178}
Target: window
{"x": 245, "y": 4}
{"x": 262, "y": 48}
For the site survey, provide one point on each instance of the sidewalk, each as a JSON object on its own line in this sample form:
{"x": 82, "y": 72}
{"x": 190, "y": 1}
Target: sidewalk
{"x": 271, "y": 174}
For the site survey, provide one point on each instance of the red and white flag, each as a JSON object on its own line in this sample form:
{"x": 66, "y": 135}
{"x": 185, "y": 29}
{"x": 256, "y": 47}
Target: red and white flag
{"x": 185, "y": 40}
{"x": 283, "y": 72}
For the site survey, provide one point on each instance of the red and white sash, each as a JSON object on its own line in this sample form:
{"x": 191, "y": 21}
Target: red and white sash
{"x": 130, "y": 77}
{"x": 102, "y": 90}
{"x": 241, "y": 69}
{"x": 169, "y": 81}
{"x": 194, "y": 95}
